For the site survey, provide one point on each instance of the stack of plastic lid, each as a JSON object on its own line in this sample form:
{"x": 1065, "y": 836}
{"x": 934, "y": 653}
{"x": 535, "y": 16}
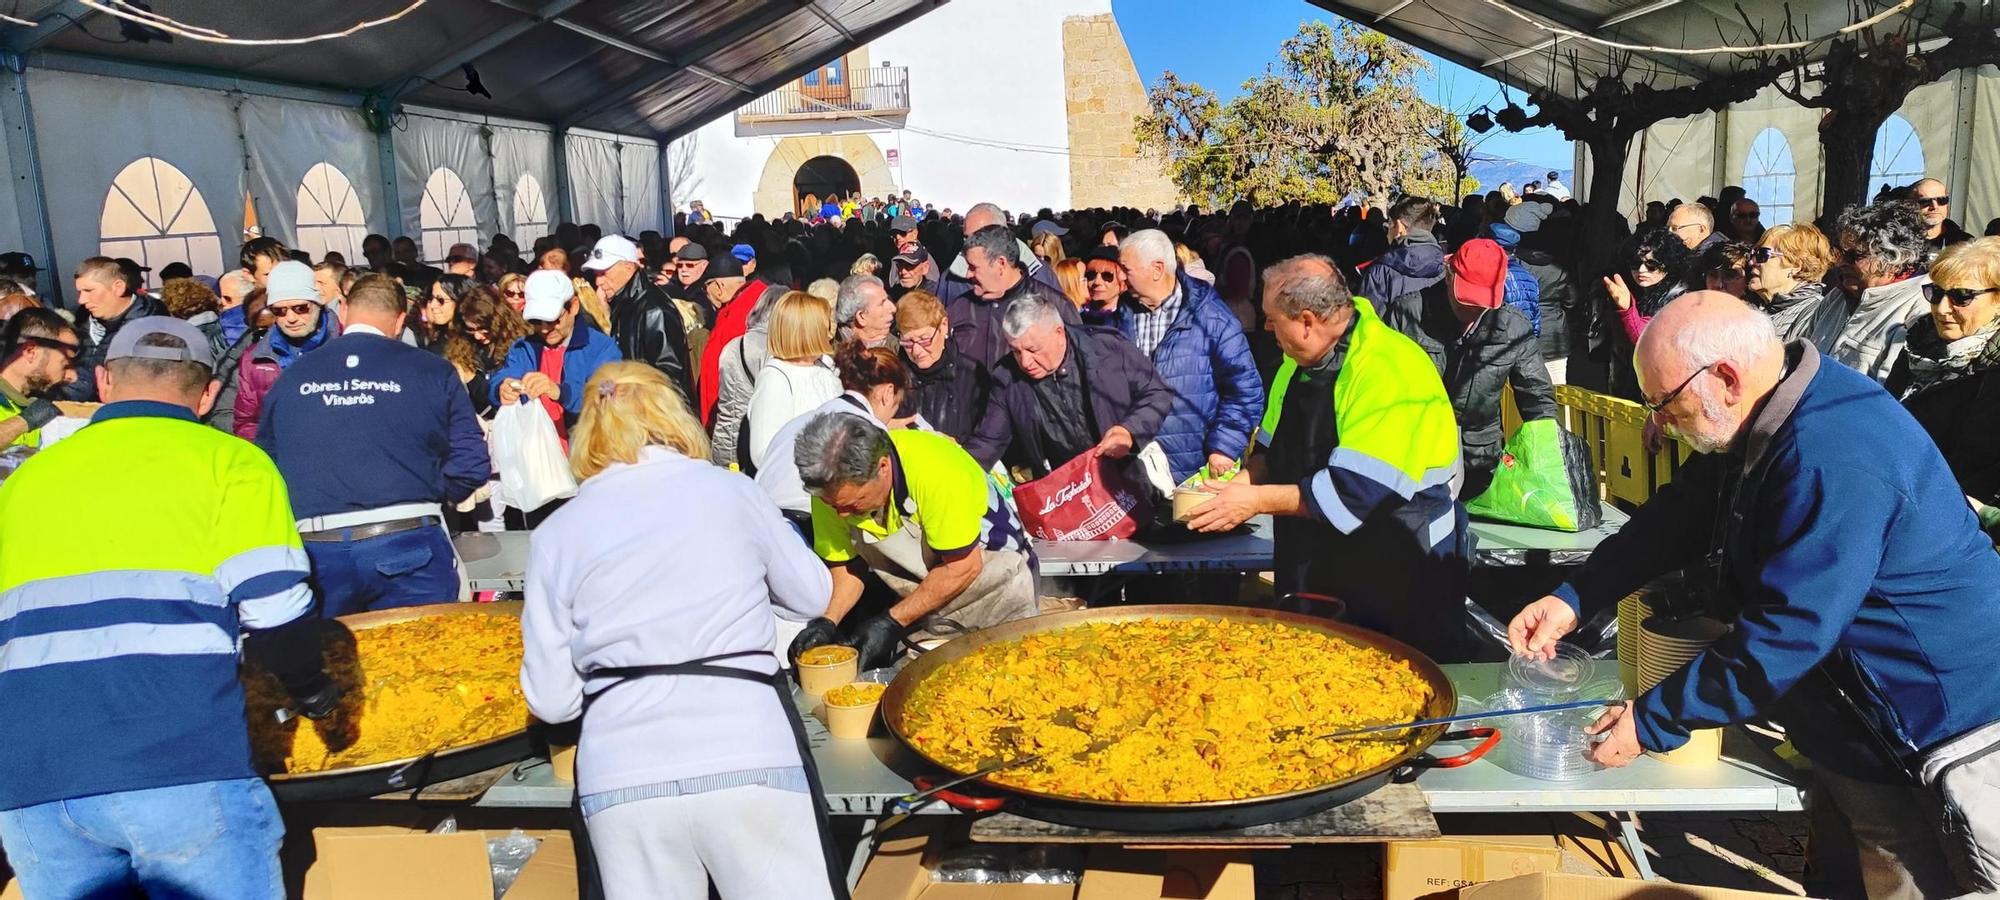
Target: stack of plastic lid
{"x": 1549, "y": 746}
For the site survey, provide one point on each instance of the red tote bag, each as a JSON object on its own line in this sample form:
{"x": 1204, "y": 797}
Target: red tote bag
{"x": 1084, "y": 500}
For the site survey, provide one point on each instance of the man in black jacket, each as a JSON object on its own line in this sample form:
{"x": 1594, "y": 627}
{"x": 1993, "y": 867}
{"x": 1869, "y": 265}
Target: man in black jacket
{"x": 1064, "y": 391}
{"x": 110, "y": 299}
{"x": 1480, "y": 345}
{"x": 644, "y": 321}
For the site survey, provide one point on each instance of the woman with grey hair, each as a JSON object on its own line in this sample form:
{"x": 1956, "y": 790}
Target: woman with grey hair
{"x": 1883, "y": 257}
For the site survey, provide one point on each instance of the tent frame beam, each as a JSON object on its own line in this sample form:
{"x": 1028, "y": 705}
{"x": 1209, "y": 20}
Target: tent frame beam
{"x": 500, "y": 37}
{"x": 742, "y": 29}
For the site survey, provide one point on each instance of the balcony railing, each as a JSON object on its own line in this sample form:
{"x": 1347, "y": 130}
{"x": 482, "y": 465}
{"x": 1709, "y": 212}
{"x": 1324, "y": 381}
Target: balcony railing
{"x": 877, "y": 91}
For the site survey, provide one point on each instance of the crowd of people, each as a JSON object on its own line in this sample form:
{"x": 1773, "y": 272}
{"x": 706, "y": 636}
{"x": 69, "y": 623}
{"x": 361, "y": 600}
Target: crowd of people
{"x": 882, "y": 374}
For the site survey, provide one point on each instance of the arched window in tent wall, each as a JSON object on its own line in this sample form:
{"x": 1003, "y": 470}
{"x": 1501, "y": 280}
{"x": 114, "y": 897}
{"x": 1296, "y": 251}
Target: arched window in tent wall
{"x": 330, "y": 215}
{"x": 531, "y": 210}
{"x": 446, "y": 216}
{"x": 1899, "y": 156}
{"x": 1769, "y": 177}
{"x": 154, "y": 214}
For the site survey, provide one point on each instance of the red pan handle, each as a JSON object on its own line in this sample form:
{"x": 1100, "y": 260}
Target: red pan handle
{"x": 958, "y": 801}
{"x": 1491, "y": 737}
{"x": 1324, "y": 605}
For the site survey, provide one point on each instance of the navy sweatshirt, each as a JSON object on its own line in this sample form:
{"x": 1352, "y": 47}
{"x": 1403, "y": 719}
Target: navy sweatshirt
{"x": 366, "y": 422}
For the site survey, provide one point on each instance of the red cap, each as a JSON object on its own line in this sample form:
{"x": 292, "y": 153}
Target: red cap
{"x": 1479, "y": 273}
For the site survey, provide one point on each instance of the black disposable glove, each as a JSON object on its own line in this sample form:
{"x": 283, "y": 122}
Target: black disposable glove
{"x": 819, "y": 632}
{"x": 39, "y": 413}
{"x": 876, "y": 640}
{"x": 320, "y": 703}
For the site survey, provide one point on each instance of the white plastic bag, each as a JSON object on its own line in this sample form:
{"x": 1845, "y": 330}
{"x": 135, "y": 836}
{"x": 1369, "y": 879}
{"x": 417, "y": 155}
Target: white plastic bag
{"x": 530, "y": 457}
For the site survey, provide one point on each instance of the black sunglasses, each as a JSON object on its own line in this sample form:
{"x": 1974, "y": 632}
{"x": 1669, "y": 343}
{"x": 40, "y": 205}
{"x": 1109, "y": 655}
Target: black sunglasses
{"x": 1959, "y": 297}
{"x": 1934, "y": 201}
{"x": 1656, "y": 408}
{"x": 1103, "y": 275}
{"x": 1648, "y": 265}
{"x": 1765, "y": 254}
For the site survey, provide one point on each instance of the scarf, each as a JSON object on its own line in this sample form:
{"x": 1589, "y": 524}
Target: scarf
{"x": 286, "y": 352}
{"x": 1934, "y": 361}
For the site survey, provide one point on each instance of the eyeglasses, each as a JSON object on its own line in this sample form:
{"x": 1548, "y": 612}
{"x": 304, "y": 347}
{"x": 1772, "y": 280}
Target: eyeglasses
{"x": 1104, "y": 275}
{"x": 912, "y": 342}
{"x": 1959, "y": 297}
{"x": 688, "y": 263}
{"x": 1685, "y": 225}
{"x": 1648, "y": 265}
{"x": 435, "y": 299}
{"x": 516, "y": 292}
{"x": 1765, "y": 254}
{"x": 290, "y": 310}
{"x": 1934, "y": 201}
{"x": 1657, "y": 408}
{"x": 68, "y": 350}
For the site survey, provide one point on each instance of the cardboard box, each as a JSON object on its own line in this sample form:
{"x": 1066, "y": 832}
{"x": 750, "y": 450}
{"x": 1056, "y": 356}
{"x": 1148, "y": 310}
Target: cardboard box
{"x": 389, "y": 863}
{"x": 1490, "y": 848}
{"x": 562, "y": 763}
{"x": 901, "y": 870}
{"x": 1558, "y": 886}
{"x": 1114, "y": 873}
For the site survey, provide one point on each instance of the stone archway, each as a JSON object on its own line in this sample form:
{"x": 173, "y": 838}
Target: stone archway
{"x": 774, "y": 195}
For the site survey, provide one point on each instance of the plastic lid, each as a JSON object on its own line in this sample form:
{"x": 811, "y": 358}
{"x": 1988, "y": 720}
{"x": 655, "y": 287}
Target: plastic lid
{"x": 1562, "y": 676}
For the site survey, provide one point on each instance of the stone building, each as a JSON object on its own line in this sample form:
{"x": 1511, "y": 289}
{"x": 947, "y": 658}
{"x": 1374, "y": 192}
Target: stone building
{"x": 1026, "y": 103}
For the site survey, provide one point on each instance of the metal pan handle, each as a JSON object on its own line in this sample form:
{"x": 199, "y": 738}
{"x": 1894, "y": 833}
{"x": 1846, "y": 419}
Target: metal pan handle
{"x": 936, "y": 625}
{"x": 958, "y": 801}
{"x": 1326, "y": 606}
{"x": 1490, "y": 735}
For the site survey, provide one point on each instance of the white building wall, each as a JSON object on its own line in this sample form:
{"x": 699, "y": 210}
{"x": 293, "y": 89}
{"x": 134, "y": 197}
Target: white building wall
{"x": 986, "y": 82}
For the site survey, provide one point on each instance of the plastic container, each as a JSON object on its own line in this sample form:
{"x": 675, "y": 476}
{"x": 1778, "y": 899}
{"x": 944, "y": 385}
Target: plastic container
{"x": 1558, "y": 679}
{"x": 818, "y": 679}
{"x": 853, "y": 721}
{"x": 1546, "y": 746}
{"x": 1187, "y": 500}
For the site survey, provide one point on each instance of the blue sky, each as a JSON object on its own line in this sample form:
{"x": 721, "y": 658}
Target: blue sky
{"x": 1220, "y": 45}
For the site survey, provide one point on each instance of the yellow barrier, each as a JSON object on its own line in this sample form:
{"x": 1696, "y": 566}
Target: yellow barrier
{"x": 1615, "y": 430}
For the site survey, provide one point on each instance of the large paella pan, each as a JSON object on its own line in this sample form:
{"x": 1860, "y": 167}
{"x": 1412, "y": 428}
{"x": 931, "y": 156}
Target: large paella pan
{"x": 1149, "y": 710}
{"x": 430, "y": 693}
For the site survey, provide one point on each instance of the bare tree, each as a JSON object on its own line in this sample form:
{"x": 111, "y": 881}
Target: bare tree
{"x": 683, "y": 184}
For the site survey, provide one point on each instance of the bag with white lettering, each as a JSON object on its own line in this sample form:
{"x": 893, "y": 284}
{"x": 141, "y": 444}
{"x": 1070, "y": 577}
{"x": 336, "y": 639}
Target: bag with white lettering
{"x": 1084, "y": 500}
{"x": 533, "y": 469}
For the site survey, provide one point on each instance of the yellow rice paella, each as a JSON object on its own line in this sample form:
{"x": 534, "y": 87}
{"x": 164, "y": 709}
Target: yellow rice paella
{"x": 1185, "y": 710}
{"x": 407, "y": 689}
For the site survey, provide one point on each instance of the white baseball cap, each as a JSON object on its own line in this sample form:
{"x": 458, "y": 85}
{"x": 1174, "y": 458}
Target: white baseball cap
{"x": 290, "y": 280}
{"x": 611, "y": 250}
{"x": 548, "y": 292}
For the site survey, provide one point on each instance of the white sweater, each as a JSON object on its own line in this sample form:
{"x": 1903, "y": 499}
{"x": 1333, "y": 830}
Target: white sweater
{"x": 664, "y": 561}
{"x": 784, "y": 392}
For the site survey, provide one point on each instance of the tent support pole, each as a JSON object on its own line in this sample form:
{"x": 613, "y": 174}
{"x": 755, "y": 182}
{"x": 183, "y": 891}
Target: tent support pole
{"x": 30, "y": 199}
{"x": 565, "y": 211}
{"x": 385, "y": 160}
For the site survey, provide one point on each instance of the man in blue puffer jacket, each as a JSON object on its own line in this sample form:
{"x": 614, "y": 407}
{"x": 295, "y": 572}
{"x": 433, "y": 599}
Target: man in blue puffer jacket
{"x": 554, "y": 362}
{"x": 1414, "y": 260}
{"x": 1199, "y": 349}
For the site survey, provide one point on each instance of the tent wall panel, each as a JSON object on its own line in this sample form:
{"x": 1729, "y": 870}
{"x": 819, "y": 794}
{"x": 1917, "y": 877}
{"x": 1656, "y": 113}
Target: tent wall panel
{"x": 425, "y": 143}
{"x": 1979, "y": 201}
{"x": 594, "y": 173}
{"x": 287, "y": 138}
{"x": 517, "y": 152}
{"x": 90, "y": 128}
{"x": 1800, "y": 127}
{"x": 639, "y": 160}
{"x": 1676, "y": 159}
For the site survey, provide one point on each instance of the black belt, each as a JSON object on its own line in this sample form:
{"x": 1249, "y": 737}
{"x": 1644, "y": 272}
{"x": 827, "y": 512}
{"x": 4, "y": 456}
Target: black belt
{"x": 372, "y": 529}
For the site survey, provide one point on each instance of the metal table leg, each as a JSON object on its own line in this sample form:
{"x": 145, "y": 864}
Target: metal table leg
{"x": 864, "y": 849}
{"x": 1635, "y": 844}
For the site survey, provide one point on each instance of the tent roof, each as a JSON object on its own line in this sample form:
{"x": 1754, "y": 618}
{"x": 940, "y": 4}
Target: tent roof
{"x": 643, "y": 67}
{"x": 1474, "y": 34}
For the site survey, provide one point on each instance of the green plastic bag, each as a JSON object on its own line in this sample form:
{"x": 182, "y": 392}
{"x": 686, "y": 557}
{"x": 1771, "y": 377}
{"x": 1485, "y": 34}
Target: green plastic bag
{"x": 1544, "y": 480}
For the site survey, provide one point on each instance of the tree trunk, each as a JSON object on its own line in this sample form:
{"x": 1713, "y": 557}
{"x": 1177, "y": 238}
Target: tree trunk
{"x": 1847, "y": 148}
{"x": 1601, "y": 226}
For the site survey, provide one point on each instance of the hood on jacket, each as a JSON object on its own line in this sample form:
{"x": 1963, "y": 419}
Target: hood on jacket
{"x": 1419, "y": 256}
